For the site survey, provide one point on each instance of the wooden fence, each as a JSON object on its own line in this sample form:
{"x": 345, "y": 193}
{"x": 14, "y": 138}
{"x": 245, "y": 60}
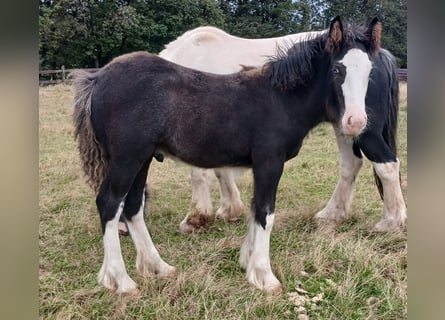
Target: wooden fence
{"x": 61, "y": 76}
{"x": 403, "y": 74}
{"x": 57, "y": 76}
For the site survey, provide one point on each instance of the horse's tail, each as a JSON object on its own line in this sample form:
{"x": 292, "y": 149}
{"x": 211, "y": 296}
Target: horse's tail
{"x": 390, "y": 128}
{"x": 94, "y": 162}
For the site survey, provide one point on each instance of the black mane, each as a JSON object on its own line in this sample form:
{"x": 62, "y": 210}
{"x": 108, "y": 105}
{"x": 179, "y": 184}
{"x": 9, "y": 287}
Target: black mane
{"x": 292, "y": 65}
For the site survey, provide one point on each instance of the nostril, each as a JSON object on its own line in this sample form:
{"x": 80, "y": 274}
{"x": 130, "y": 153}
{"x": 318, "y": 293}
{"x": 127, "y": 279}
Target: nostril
{"x": 350, "y": 120}
{"x": 365, "y": 120}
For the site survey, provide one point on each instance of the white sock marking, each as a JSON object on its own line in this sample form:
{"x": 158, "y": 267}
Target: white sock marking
{"x": 113, "y": 274}
{"x": 148, "y": 260}
{"x": 254, "y": 256}
{"x": 394, "y": 208}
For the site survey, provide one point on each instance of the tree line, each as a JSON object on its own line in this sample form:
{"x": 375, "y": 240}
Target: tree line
{"x": 89, "y": 33}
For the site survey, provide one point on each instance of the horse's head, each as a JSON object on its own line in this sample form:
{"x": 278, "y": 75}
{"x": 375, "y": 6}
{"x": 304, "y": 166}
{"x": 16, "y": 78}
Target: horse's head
{"x": 352, "y": 51}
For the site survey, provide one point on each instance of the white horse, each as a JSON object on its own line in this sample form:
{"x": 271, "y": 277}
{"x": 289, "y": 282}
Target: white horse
{"x": 213, "y": 50}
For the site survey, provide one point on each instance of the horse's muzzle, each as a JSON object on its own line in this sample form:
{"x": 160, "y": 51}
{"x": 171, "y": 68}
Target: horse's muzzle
{"x": 353, "y": 124}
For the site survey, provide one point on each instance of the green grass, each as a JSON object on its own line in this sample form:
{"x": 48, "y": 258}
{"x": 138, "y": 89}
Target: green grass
{"x": 359, "y": 275}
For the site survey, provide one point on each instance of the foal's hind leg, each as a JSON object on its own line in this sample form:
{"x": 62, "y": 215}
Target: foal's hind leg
{"x": 339, "y": 205}
{"x": 231, "y": 205}
{"x": 110, "y": 204}
{"x": 148, "y": 260}
{"x": 201, "y": 214}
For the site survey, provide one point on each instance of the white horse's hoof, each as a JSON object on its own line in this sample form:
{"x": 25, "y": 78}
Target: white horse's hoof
{"x": 122, "y": 284}
{"x": 196, "y": 221}
{"x": 389, "y": 226}
{"x": 333, "y": 216}
{"x": 230, "y": 213}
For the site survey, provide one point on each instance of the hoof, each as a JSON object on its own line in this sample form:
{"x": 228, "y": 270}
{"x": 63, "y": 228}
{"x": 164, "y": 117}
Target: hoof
{"x": 133, "y": 293}
{"x": 230, "y": 214}
{"x": 196, "y": 222}
{"x": 276, "y": 290}
{"x": 331, "y": 216}
{"x": 389, "y": 226}
{"x": 185, "y": 228}
{"x": 162, "y": 270}
{"x": 125, "y": 285}
{"x": 264, "y": 280}
{"x": 167, "y": 272}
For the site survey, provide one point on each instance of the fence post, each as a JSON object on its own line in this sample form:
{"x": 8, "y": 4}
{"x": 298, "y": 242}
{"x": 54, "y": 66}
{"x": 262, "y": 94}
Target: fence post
{"x": 63, "y": 74}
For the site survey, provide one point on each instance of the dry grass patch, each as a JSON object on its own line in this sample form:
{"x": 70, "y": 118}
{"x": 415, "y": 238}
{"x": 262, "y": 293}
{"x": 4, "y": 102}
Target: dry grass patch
{"x": 343, "y": 272}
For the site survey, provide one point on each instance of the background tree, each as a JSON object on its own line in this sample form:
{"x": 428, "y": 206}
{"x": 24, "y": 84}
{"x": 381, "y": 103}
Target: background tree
{"x": 89, "y": 33}
{"x": 261, "y": 18}
{"x": 166, "y": 19}
{"x": 391, "y": 13}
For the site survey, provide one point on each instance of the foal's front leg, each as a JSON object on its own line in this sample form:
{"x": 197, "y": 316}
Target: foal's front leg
{"x": 394, "y": 208}
{"x": 254, "y": 254}
{"x": 339, "y": 205}
{"x": 387, "y": 167}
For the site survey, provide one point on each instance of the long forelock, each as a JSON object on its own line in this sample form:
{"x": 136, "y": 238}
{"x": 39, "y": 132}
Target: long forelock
{"x": 354, "y": 34}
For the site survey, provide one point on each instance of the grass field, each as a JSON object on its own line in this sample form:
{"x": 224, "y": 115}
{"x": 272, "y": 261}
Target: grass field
{"x": 344, "y": 273}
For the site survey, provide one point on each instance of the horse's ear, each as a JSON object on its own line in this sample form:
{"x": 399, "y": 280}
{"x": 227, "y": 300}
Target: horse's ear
{"x": 374, "y": 34}
{"x": 335, "y": 36}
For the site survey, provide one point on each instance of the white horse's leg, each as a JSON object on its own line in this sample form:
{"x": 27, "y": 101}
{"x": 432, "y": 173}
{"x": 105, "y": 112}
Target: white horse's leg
{"x": 148, "y": 260}
{"x": 338, "y": 206}
{"x": 254, "y": 256}
{"x": 113, "y": 275}
{"x": 201, "y": 212}
{"x": 394, "y": 208}
{"x": 231, "y": 205}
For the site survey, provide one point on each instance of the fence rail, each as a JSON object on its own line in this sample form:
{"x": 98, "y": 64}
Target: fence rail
{"x": 61, "y": 75}
{"x": 403, "y": 74}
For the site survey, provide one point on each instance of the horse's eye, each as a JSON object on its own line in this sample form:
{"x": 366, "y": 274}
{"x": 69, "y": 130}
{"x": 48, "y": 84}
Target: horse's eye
{"x": 335, "y": 70}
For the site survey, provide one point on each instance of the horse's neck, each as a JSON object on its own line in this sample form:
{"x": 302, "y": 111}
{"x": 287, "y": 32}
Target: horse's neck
{"x": 297, "y": 37}
{"x": 260, "y": 49}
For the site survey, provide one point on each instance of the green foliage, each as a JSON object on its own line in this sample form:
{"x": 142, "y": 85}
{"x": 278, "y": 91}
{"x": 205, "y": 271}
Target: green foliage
{"x": 89, "y": 33}
{"x": 259, "y": 19}
{"x": 166, "y": 19}
{"x": 391, "y": 13}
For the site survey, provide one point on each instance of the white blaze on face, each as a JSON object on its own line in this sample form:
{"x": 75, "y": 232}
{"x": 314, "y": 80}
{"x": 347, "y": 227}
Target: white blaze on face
{"x": 358, "y": 68}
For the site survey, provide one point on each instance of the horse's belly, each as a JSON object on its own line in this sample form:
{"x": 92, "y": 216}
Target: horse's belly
{"x": 206, "y": 158}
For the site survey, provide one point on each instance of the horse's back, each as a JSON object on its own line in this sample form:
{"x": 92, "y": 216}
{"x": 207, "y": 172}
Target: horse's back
{"x": 205, "y": 49}
{"x": 135, "y": 80}
{"x": 213, "y": 50}
{"x": 128, "y": 82}
{"x": 133, "y": 70}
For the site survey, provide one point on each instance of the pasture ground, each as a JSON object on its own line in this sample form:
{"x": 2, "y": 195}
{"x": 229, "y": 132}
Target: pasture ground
{"x": 342, "y": 273}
